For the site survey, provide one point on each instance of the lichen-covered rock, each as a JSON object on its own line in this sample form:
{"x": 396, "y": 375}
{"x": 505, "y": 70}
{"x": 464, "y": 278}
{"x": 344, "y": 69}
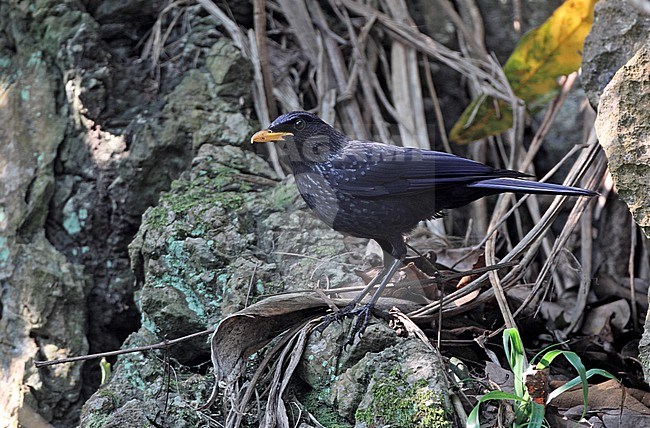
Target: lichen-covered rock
{"x": 97, "y": 126}
{"x": 229, "y": 69}
{"x": 187, "y": 116}
{"x": 403, "y": 385}
{"x": 381, "y": 380}
{"x": 195, "y": 250}
{"x": 42, "y": 310}
{"x": 213, "y": 244}
{"x": 144, "y": 393}
{"x": 619, "y": 30}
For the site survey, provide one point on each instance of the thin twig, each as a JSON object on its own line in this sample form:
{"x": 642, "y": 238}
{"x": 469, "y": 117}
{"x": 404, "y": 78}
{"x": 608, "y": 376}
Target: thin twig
{"x": 630, "y": 270}
{"x": 586, "y": 245}
{"x": 236, "y": 34}
{"x": 436, "y": 105}
{"x": 161, "y": 345}
{"x": 259, "y": 19}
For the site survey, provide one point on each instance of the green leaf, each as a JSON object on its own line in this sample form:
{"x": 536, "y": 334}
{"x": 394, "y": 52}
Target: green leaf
{"x": 577, "y": 380}
{"x": 473, "y": 417}
{"x": 576, "y": 362}
{"x": 484, "y": 117}
{"x": 537, "y": 412}
{"x": 105, "y": 368}
{"x": 514, "y": 349}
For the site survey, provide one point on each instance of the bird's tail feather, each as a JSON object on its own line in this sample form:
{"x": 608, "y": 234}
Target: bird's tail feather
{"x": 524, "y": 186}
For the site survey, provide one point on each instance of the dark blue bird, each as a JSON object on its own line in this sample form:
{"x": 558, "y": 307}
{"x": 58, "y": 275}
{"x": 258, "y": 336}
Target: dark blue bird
{"x": 378, "y": 191}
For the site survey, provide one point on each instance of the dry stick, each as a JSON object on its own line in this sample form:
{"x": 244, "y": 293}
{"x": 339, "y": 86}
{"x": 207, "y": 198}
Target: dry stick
{"x": 521, "y": 201}
{"x": 578, "y": 171}
{"x": 535, "y": 242}
{"x": 261, "y": 102}
{"x": 288, "y": 370}
{"x": 531, "y": 252}
{"x": 382, "y": 97}
{"x": 406, "y": 85}
{"x": 259, "y": 372}
{"x": 341, "y": 75}
{"x": 364, "y": 33}
{"x": 371, "y": 101}
{"x": 231, "y": 26}
{"x": 320, "y": 21}
{"x": 259, "y": 19}
{"x": 532, "y": 152}
{"x": 161, "y": 345}
{"x": 153, "y": 45}
{"x": 479, "y": 210}
{"x": 530, "y": 245}
{"x": 449, "y": 220}
{"x": 538, "y": 139}
{"x": 548, "y": 120}
{"x": 490, "y": 258}
{"x": 248, "y": 48}
{"x": 436, "y": 105}
{"x": 479, "y": 71}
{"x": 326, "y": 81}
{"x": 586, "y": 256}
{"x": 517, "y": 18}
{"x": 630, "y": 270}
{"x": 286, "y": 96}
{"x": 473, "y": 37}
{"x": 300, "y": 23}
{"x": 476, "y": 23}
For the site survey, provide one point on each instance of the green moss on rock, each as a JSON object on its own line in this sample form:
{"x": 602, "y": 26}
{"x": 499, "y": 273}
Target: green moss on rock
{"x": 399, "y": 403}
{"x": 213, "y": 188}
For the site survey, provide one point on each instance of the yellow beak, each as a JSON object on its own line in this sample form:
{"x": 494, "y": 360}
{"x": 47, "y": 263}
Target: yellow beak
{"x": 266, "y": 136}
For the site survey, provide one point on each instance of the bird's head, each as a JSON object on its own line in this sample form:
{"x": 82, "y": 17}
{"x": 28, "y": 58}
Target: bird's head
{"x": 304, "y": 137}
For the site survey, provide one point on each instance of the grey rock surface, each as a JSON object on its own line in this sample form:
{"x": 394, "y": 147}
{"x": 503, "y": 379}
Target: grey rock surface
{"x": 619, "y": 30}
{"x": 92, "y": 131}
{"x": 624, "y": 134}
{"x": 42, "y": 311}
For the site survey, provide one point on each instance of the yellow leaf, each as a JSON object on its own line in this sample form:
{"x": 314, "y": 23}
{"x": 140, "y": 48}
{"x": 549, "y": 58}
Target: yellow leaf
{"x": 541, "y": 56}
{"x": 551, "y": 51}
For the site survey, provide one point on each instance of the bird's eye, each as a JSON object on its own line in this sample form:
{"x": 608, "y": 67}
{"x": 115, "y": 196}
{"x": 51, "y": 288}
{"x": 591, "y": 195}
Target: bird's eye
{"x": 299, "y": 125}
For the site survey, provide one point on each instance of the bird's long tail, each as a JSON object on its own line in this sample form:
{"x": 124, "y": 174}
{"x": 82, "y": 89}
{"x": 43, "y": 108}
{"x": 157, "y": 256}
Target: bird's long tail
{"x": 523, "y": 186}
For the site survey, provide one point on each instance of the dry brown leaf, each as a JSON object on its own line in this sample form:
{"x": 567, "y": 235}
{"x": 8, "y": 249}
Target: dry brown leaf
{"x": 460, "y": 259}
{"x": 615, "y": 313}
{"x": 606, "y": 395}
{"x": 478, "y": 263}
{"x": 240, "y": 335}
{"x": 467, "y": 298}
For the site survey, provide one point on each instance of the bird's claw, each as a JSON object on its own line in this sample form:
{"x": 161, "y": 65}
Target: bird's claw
{"x": 335, "y": 316}
{"x": 361, "y": 314}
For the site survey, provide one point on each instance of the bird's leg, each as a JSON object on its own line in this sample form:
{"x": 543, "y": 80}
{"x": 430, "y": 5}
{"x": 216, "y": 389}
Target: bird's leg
{"x": 363, "y": 313}
{"x": 350, "y": 307}
{"x": 363, "y": 293}
{"x": 394, "y": 253}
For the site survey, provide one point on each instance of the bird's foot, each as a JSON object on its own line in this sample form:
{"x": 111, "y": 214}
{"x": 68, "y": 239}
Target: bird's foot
{"x": 336, "y": 316}
{"x": 361, "y": 314}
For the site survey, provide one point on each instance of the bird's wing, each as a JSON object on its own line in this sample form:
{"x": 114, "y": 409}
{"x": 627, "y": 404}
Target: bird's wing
{"x": 366, "y": 169}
